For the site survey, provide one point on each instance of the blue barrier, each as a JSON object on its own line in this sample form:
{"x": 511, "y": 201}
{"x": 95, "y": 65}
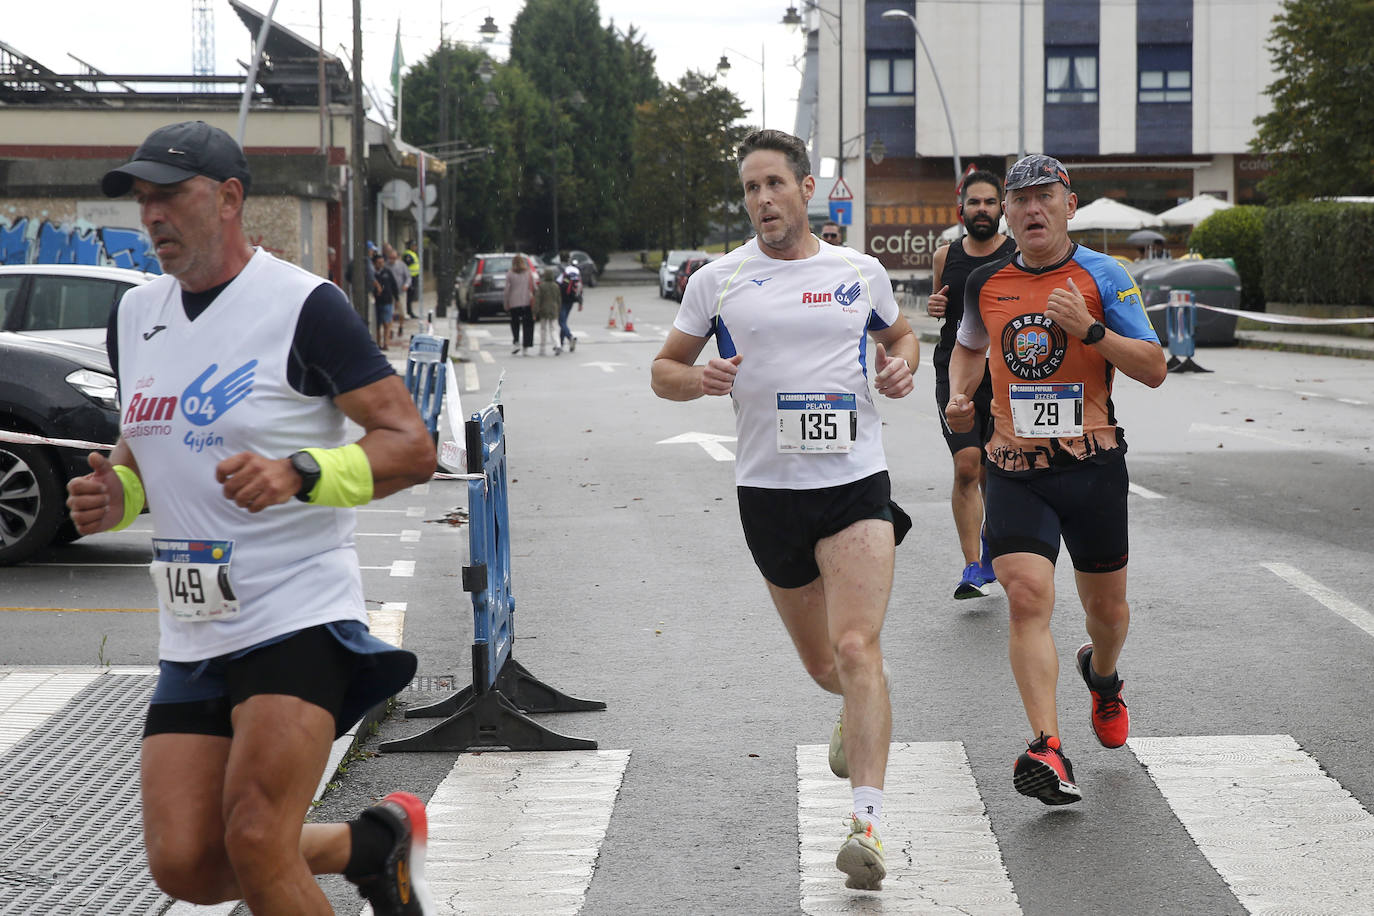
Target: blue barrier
{"x": 426, "y": 364}
{"x": 1181, "y": 326}
{"x": 492, "y": 711}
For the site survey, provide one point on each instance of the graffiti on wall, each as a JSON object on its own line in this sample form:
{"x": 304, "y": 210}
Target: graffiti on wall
{"x": 24, "y": 240}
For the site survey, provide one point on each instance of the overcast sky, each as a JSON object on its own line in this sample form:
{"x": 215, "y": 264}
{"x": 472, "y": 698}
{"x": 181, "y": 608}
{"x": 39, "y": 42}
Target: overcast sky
{"x": 154, "y": 36}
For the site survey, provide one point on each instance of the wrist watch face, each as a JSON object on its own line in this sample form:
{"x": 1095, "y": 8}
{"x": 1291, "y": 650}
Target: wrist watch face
{"x": 1096, "y": 331}
{"x": 309, "y": 469}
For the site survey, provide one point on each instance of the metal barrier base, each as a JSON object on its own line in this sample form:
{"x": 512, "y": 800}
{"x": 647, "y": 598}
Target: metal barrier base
{"x": 522, "y": 689}
{"x": 1184, "y": 365}
{"x": 489, "y": 720}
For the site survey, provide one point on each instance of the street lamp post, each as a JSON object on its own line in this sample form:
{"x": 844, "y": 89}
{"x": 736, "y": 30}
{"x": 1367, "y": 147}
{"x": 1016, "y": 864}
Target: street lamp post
{"x": 576, "y": 100}
{"x": 723, "y": 67}
{"x": 953, "y": 142}
{"x": 792, "y": 19}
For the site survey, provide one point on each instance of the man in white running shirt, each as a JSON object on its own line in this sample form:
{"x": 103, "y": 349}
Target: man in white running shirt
{"x": 790, "y": 316}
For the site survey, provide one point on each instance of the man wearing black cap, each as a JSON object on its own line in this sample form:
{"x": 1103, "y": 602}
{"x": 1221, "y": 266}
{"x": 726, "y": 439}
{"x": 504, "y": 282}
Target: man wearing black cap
{"x": 237, "y": 374}
{"x": 1062, "y": 319}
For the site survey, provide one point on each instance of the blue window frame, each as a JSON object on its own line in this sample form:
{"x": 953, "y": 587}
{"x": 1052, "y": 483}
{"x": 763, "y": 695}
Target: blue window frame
{"x": 1166, "y": 73}
{"x": 1070, "y": 74}
{"x": 891, "y": 80}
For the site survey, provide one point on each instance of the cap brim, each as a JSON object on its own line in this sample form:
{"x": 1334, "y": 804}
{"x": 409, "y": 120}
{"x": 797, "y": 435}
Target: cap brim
{"x": 117, "y": 182}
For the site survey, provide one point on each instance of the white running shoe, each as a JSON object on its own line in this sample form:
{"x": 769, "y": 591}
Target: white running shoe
{"x": 861, "y": 857}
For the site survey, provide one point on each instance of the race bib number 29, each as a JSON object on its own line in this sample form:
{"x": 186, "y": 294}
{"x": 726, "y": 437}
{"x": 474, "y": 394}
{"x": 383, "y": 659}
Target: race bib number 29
{"x": 1047, "y": 411}
{"x": 817, "y": 423}
{"x": 192, "y": 579}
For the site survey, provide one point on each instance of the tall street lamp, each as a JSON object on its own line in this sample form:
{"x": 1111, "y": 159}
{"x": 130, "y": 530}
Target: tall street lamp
{"x": 723, "y": 67}
{"x": 576, "y": 100}
{"x": 792, "y": 20}
{"x": 953, "y": 143}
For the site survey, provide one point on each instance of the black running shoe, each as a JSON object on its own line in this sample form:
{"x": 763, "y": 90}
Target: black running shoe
{"x": 1044, "y": 772}
{"x": 399, "y": 889}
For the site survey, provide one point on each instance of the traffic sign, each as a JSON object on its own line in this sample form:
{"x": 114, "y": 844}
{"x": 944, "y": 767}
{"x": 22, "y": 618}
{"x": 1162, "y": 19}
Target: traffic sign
{"x": 841, "y": 191}
{"x": 841, "y": 212}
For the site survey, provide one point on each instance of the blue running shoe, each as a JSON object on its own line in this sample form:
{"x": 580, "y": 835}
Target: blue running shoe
{"x": 985, "y": 560}
{"x": 972, "y": 582}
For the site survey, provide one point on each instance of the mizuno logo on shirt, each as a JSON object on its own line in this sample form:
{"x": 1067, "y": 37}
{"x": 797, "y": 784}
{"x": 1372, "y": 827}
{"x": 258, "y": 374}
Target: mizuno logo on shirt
{"x": 760, "y": 282}
{"x": 148, "y": 335}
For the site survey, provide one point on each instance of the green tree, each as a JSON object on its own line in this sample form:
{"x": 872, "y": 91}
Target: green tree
{"x": 1236, "y": 233}
{"x": 1320, "y": 133}
{"x": 686, "y": 180}
{"x": 569, "y": 56}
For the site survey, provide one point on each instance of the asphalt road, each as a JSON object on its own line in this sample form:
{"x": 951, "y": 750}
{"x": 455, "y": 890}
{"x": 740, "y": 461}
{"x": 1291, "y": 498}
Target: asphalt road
{"x": 634, "y": 586}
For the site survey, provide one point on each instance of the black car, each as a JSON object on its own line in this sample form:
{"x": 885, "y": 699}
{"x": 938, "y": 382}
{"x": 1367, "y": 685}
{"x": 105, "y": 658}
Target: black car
{"x": 582, "y": 261}
{"x": 55, "y": 389}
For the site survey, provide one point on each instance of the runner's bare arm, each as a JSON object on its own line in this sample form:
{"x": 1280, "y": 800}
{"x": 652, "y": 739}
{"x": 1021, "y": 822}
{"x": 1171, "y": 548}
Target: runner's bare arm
{"x": 676, "y": 377}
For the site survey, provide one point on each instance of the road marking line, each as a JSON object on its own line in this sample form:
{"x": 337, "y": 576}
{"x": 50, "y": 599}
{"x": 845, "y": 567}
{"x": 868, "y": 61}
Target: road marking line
{"x": 1283, "y": 835}
{"x": 942, "y": 856}
{"x": 550, "y": 812}
{"x": 1140, "y": 491}
{"x": 1332, "y": 600}
{"x": 29, "y": 696}
{"x": 86, "y": 610}
{"x": 1239, "y": 431}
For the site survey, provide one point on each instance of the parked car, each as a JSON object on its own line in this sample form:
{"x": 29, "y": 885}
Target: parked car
{"x": 60, "y": 390}
{"x": 481, "y": 288}
{"x": 582, "y": 261}
{"x": 667, "y": 271}
{"x": 66, "y": 301}
{"x": 684, "y": 273}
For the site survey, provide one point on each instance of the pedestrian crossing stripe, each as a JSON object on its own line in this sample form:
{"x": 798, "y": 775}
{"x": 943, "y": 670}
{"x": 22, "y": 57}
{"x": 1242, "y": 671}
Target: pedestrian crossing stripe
{"x": 1283, "y": 835}
{"x": 942, "y": 856}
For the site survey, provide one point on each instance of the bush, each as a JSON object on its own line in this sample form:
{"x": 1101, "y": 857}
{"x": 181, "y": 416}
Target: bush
{"x": 1236, "y": 233}
{"x": 1318, "y": 253}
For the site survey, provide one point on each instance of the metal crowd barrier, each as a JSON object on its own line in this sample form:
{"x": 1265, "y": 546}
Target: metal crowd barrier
{"x": 492, "y": 711}
{"x": 426, "y": 364}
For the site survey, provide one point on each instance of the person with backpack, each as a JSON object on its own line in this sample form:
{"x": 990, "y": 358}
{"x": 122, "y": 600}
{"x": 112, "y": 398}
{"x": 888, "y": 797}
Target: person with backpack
{"x": 570, "y": 290}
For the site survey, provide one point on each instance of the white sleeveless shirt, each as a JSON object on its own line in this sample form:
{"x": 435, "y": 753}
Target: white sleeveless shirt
{"x": 196, "y": 392}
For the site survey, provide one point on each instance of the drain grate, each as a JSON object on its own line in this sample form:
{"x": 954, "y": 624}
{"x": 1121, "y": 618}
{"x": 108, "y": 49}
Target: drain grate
{"x": 434, "y": 683}
{"x": 71, "y": 833}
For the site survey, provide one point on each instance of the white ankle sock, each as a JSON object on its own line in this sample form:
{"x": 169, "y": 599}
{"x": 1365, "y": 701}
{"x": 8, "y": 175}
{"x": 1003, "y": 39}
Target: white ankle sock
{"x": 868, "y": 804}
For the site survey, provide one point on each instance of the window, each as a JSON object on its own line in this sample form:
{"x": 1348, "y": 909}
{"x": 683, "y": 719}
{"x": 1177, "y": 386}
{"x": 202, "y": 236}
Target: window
{"x": 1070, "y": 75}
{"x": 891, "y": 81}
{"x": 63, "y": 303}
{"x": 1166, "y": 73}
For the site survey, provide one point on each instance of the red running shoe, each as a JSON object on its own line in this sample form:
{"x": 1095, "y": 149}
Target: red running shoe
{"x": 399, "y": 889}
{"x": 1044, "y": 772}
{"x": 1111, "y": 721}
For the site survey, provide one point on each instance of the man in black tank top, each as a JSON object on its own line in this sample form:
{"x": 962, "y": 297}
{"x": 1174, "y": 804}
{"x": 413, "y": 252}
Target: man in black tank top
{"x": 980, "y": 209}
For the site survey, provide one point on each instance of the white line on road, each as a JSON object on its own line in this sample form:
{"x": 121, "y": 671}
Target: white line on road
{"x": 1239, "y": 431}
{"x": 942, "y": 856}
{"x": 708, "y": 441}
{"x": 604, "y": 366}
{"x": 1143, "y": 493}
{"x": 1332, "y": 600}
{"x": 549, "y": 812}
{"x": 470, "y": 379}
{"x": 1283, "y": 835}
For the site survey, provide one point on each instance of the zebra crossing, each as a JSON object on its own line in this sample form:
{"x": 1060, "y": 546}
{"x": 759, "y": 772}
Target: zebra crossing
{"x": 1283, "y": 835}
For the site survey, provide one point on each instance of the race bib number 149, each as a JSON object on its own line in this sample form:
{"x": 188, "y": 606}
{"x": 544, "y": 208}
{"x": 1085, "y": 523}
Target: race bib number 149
{"x": 192, "y": 579}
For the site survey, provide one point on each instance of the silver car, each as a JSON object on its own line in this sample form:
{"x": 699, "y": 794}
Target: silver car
{"x": 65, "y": 301}
{"x": 667, "y": 271}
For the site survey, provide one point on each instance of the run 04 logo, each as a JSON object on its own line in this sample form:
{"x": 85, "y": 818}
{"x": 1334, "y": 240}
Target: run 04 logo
{"x": 842, "y": 294}
{"x": 148, "y": 414}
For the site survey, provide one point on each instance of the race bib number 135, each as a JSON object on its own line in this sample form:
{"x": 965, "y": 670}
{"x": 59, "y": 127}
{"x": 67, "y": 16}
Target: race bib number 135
{"x": 817, "y": 423}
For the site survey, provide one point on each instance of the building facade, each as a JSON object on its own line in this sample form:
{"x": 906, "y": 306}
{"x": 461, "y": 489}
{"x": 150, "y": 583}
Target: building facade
{"x": 1149, "y": 102}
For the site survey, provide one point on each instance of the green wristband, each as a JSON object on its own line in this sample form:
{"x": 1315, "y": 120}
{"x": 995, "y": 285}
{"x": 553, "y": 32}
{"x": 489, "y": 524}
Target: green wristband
{"x": 345, "y": 476}
{"x": 133, "y": 495}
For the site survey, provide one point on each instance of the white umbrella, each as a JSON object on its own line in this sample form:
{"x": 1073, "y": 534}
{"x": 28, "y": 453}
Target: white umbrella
{"x": 1105, "y": 213}
{"x": 1192, "y": 212}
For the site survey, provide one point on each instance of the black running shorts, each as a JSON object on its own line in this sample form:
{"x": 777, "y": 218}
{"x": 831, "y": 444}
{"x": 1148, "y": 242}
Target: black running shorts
{"x": 782, "y": 527}
{"x": 982, "y": 416}
{"x": 1086, "y": 506}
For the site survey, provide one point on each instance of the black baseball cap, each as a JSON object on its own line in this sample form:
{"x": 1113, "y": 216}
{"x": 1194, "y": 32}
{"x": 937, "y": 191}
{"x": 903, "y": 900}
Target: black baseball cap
{"x": 177, "y": 152}
{"x": 1036, "y": 169}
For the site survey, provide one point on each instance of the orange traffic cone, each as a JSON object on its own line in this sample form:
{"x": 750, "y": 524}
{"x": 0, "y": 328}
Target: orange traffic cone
{"x": 629, "y": 319}
{"x": 610, "y": 323}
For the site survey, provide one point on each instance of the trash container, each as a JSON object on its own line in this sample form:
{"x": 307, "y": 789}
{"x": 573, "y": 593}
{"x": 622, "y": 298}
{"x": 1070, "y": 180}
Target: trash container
{"x": 1213, "y": 281}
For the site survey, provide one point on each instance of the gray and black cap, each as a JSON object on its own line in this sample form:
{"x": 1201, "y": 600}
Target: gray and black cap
{"x": 177, "y": 152}
{"x": 1037, "y": 169}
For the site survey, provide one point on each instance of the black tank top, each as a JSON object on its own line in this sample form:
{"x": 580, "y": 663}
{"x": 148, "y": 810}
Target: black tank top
{"x": 958, "y": 266}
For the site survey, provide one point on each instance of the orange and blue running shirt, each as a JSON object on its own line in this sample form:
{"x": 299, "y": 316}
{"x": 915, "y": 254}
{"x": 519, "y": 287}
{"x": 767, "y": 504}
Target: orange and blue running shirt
{"x": 1052, "y": 405}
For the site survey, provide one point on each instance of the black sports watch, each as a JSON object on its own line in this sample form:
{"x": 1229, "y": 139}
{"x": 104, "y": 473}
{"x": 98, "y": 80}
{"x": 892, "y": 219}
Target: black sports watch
{"x": 1096, "y": 331}
{"x": 309, "y": 469}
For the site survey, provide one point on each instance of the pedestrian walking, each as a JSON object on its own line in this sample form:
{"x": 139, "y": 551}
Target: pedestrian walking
{"x": 812, "y": 482}
{"x": 519, "y": 302}
{"x": 980, "y": 210}
{"x": 1063, "y": 319}
{"x": 570, "y": 290}
{"x": 385, "y": 299}
{"x": 547, "y": 299}
{"x": 235, "y": 426}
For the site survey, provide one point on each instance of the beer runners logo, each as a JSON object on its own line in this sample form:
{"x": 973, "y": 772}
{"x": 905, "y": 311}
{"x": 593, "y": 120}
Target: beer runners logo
{"x": 1033, "y": 347}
